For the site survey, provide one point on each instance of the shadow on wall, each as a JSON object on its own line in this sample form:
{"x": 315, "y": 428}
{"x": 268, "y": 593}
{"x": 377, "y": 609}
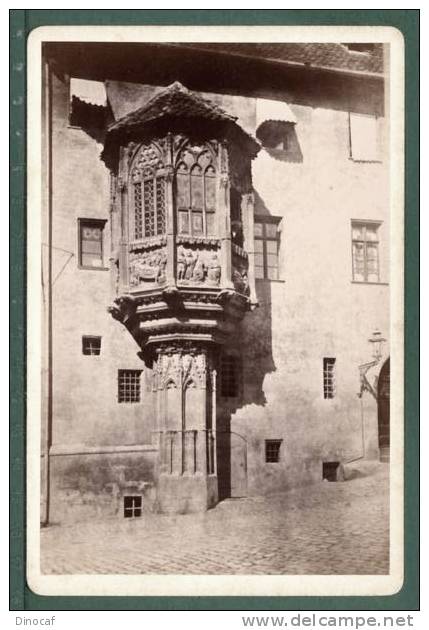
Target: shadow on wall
{"x": 280, "y": 140}
{"x": 92, "y": 119}
{"x": 252, "y": 345}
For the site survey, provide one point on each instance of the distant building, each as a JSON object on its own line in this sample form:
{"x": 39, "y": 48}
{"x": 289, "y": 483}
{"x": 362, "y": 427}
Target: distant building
{"x": 216, "y": 258}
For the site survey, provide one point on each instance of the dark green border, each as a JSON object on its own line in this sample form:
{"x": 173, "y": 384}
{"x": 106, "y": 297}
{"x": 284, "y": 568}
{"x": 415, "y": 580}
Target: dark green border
{"x": 22, "y": 21}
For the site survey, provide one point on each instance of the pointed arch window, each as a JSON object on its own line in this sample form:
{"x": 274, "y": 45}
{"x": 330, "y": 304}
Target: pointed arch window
{"x": 148, "y": 198}
{"x": 196, "y": 192}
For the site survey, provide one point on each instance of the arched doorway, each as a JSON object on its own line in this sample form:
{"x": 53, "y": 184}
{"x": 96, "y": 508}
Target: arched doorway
{"x": 383, "y": 396}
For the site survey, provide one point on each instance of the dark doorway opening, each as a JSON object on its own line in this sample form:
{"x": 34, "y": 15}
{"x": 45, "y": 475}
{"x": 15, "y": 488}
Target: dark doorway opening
{"x": 384, "y": 412}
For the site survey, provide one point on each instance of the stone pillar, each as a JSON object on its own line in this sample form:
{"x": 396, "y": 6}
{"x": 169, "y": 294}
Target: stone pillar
{"x": 170, "y": 219}
{"x": 183, "y": 383}
{"x": 224, "y": 225}
{"x": 247, "y": 213}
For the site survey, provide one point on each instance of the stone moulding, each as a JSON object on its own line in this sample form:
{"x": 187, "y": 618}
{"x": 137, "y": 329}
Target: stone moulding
{"x": 148, "y": 243}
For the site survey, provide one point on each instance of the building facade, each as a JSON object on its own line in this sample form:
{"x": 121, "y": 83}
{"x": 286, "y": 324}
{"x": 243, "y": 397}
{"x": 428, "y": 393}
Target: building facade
{"x": 216, "y": 266}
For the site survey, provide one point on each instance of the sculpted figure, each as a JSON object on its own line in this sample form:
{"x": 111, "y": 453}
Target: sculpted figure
{"x": 214, "y": 270}
{"x": 190, "y": 264}
{"x": 199, "y": 272}
{"x": 181, "y": 264}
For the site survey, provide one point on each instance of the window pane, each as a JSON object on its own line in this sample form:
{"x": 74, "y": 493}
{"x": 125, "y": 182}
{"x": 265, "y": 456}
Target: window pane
{"x": 358, "y": 261}
{"x": 272, "y": 260}
{"x": 182, "y": 183}
{"x": 272, "y": 247}
{"x": 258, "y": 229}
{"x": 91, "y": 247}
{"x": 210, "y": 220}
{"x": 91, "y": 233}
{"x": 259, "y": 246}
{"x": 272, "y": 273}
{"x": 210, "y": 183}
{"x": 271, "y": 230}
{"x": 149, "y": 208}
{"x": 259, "y": 260}
{"x": 160, "y": 205}
{"x": 371, "y": 233}
{"x": 357, "y": 232}
{"x": 196, "y": 188}
{"x": 88, "y": 260}
{"x": 197, "y": 223}
{"x": 184, "y": 222}
{"x": 259, "y": 272}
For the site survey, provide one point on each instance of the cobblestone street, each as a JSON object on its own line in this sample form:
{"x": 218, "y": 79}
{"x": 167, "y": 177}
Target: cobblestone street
{"x": 328, "y": 528}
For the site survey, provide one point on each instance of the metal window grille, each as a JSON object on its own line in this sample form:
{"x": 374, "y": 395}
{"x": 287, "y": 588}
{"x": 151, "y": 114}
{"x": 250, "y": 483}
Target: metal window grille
{"x": 138, "y": 213}
{"x": 132, "y": 506}
{"x": 272, "y": 451}
{"x": 365, "y": 251}
{"x": 267, "y": 243}
{"x": 129, "y": 386}
{"x": 91, "y": 345}
{"x": 329, "y": 386}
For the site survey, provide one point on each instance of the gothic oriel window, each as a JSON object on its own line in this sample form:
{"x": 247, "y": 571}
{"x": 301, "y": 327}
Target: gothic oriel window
{"x": 148, "y": 198}
{"x": 365, "y": 254}
{"x": 196, "y": 192}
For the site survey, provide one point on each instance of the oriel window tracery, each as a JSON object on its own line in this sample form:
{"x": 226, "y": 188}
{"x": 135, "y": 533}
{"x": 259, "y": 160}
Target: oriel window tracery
{"x": 196, "y": 192}
{"x": 148, "y": 199}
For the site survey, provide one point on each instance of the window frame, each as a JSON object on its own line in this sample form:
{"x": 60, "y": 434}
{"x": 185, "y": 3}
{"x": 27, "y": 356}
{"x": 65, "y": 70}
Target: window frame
{"x": 365, "y": 223}
{"x": 209, "y": 172}
{"x": 130, "y": 510}
{"x": 264, "y": 220}
{"x": 156, "y": 177}
{"x": 93, "y": 223}
{"x": 375, "y": 160}
{"x": 91, "y": 338}
{"x": 278, "y": 444}
{"x": 329, "y": 378}
{"x": 124, "y": 397}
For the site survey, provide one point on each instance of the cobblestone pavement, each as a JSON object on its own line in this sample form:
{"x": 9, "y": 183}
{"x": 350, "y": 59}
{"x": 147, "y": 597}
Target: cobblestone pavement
{"x": 327, "y": 528}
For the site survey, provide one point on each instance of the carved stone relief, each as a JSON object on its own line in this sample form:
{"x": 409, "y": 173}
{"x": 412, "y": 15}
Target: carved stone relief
{"x": 147, "y": 267}
{"x": 198, "y": 265}
{"x": 181, "y": 366}
{"x": 240, "y": 277}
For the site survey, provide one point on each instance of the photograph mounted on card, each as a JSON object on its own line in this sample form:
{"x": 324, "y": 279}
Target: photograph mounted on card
{"x": 215, "y": 403}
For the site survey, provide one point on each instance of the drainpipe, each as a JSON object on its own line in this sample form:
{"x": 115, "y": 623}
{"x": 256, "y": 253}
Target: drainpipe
{"x": 46, "y": 489}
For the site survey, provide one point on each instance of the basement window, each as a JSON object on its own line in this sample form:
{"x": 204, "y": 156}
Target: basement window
{"x": 329, "y": 470}
{"x": 132, "y": 506}
{"x": 272, "y": 451}
{"x": 91, "y": 345}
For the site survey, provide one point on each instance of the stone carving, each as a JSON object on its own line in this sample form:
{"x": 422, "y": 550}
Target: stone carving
{"x": 180, "y": 366}
{"x": 240, "y": 281}
{"x": 198, "y": 266}
{"x": 148, "y": 243}
{"x": 147, "y": 267}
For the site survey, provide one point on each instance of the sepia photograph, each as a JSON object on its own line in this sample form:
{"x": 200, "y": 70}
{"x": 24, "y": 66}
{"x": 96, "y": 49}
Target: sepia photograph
{"x": 215, "y": 295}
